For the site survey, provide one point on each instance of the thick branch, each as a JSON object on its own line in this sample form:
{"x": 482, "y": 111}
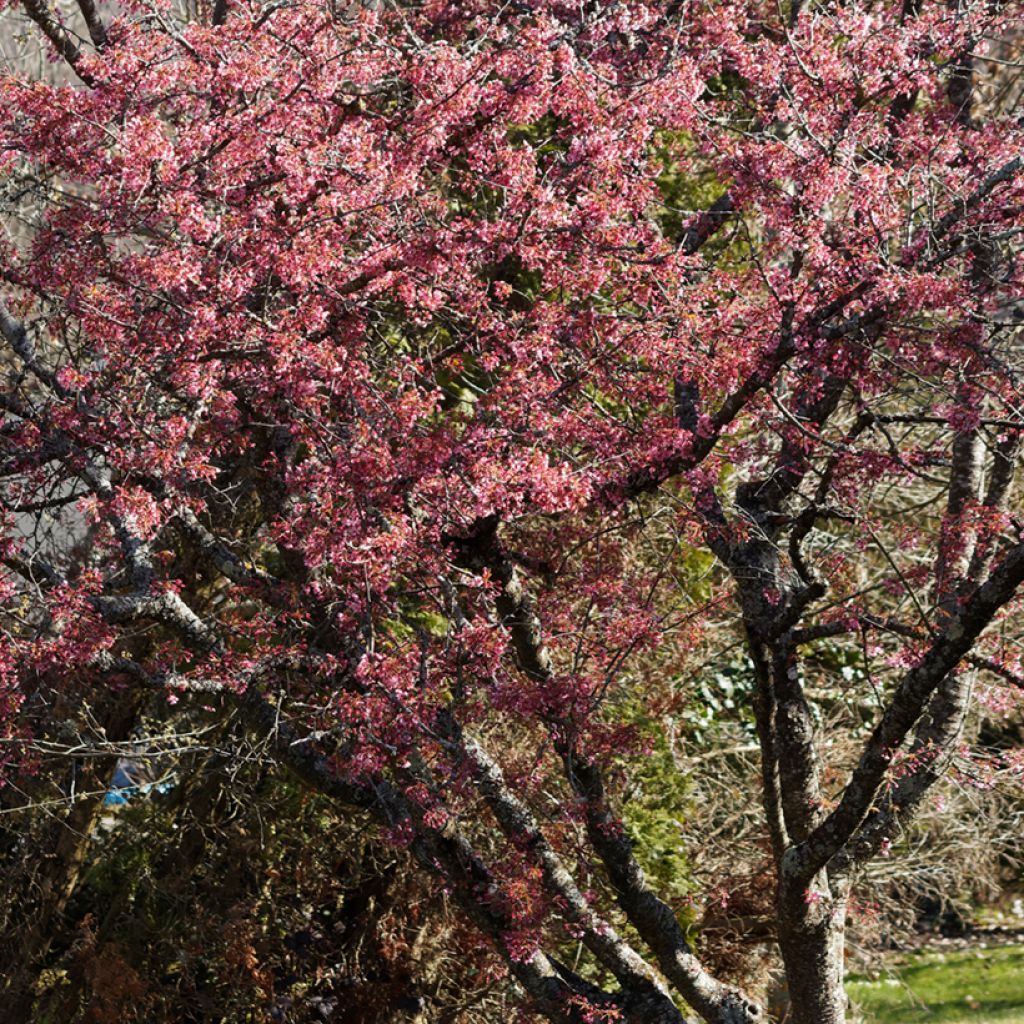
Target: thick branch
{"x": 58, "y": 36}
{"x": 653, "y": 919}
{"x": 519, "y": 825}
{"x": 905, "y": 708}
{"x": 706, "y": 224}
{"x": 935, "y": 736}
{"x": 94, "y": 23}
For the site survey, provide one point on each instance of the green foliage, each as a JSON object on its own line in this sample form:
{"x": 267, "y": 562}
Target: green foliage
{"x": 654, "y": 820}
{"x": 680, "y": 192}
{"x": 722, "y": 696}
{"x": 654, "y": 808}
{"x": 547, "y": 136}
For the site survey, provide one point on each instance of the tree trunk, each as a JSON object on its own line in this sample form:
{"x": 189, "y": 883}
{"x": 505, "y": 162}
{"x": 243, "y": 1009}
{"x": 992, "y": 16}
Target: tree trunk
{"x": 811, "y": 934}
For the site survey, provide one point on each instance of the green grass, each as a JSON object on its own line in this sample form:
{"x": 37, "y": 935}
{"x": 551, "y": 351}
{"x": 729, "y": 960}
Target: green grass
{"x": 984, "y": 986}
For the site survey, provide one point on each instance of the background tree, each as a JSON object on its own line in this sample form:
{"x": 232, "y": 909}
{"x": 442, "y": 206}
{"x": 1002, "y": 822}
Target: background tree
{"x": 364, "y": 374}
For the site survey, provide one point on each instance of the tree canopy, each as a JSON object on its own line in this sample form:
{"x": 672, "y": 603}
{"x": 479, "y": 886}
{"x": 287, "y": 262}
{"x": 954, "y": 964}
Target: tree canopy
{"x": 444, "y": 387}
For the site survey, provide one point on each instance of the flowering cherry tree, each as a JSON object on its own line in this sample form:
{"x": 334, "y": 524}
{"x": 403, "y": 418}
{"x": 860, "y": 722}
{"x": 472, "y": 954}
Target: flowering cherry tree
{"x": 379, "y": 368}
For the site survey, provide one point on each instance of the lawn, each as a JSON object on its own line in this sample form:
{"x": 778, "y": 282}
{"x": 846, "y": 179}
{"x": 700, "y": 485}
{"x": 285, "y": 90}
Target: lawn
{"x": 984, "y": 986}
